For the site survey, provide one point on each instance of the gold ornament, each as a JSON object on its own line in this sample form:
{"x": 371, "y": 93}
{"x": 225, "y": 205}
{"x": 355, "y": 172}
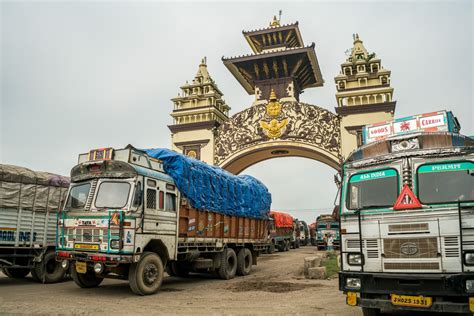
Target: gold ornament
{"x": 192, "y": 154}
{"x": 274, "y": 129}
{"x": 273, "y": 107}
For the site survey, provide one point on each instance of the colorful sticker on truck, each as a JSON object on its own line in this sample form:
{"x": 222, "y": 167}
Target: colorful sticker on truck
{"x": 442, "y": 121}
{"x": 455, "y": 166}
{"x": 373, "y": 175}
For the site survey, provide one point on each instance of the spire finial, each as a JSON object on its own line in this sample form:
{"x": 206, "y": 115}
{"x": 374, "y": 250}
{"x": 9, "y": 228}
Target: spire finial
{"x": 275, "y": 22}
{"x": 273, "y": 96}
{"x": 203, "y": 61}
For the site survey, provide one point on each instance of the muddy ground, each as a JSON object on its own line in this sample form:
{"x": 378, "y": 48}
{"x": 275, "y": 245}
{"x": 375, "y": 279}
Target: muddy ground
{"x": 276, "y": 286}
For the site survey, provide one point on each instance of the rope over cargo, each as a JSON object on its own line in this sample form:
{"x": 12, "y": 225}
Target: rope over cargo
{"x": 212, "y": 188}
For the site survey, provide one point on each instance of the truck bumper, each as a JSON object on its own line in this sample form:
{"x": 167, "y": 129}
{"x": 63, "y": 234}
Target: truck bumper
{"x": 87, "y": 256}
{"x": 446, "y": 290}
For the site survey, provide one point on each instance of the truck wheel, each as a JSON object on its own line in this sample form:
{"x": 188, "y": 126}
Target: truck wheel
{"x": 370, "y": 311}
{"x": 146, "y": 275}
{"x": 297, "y": 244}
{"x": 228, "y": 266}
{"x": 16, "y": 273}
{"x": 271, "y": 248}
{"x": 287, "y": 245}
{"x": 179, "y": 269}
{"x": 85, "y": 280}
{"x": 48, "y": 270}
{"x": 244, "y": 261}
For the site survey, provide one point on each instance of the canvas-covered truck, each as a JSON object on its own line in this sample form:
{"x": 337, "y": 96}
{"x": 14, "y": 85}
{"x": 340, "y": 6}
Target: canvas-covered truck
{"x": 29, "y": 204}
{"x": 130, "y": 214}
{"x": 407, "y": 219}
{"x": 281, "y": 231}
{"x": 312, "y": 233}
{"x": 327, "y": 227}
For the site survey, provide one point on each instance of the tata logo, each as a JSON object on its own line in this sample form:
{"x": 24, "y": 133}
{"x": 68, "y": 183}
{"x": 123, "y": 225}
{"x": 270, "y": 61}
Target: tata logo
{"x": 409, "y": 248}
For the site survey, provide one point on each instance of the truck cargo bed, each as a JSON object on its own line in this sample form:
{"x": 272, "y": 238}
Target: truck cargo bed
{"x": 199, "y": 226}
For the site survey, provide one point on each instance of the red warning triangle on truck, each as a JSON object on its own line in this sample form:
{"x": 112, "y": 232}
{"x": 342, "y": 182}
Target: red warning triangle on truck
{"x": 406, "y": 200}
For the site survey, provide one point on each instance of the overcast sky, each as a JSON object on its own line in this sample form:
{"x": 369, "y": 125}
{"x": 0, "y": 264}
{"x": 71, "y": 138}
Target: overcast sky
{"x": 82, "y": 75}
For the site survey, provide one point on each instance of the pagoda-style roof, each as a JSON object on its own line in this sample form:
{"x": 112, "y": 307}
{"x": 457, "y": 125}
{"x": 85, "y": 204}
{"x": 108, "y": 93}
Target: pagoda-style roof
{"x": 299, "y": 63}
{"x": 273, "y": 37}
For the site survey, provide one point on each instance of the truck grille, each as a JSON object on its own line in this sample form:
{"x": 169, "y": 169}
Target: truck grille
{"x": 93, "y": 235}
{"x": 411, "y": 265}
{"x": 410, "y": 247}
{"x": 451, "y": 246}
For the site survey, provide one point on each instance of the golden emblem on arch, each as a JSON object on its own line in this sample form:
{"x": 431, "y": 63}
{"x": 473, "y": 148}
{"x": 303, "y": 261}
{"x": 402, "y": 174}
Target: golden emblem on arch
{"x": 273, "y": 107}
{"x": 274, "y": 128}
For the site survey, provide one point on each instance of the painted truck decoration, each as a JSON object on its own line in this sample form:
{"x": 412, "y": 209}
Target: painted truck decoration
{"x": 407, "y": 220}
{"x": 442, "y": 121}
{"x": 131, "y": 214}
{"x": 327, "y": 227}
{"x": 29, "y": 204}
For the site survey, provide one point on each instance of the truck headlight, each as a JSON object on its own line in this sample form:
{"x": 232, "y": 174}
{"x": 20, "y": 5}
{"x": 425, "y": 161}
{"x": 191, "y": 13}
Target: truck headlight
{"x": 354, "y": 259}
{"x": 115, "y": 244}
{"x": 469, "y": 258}
{"x": 98, "y": 268}
{"x": 354, "y": 283}
{"x": 469, "y": 285}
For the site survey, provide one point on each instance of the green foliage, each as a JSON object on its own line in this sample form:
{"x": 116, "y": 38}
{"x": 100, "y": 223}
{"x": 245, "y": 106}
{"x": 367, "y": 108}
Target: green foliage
{"x": 331, "y": 264}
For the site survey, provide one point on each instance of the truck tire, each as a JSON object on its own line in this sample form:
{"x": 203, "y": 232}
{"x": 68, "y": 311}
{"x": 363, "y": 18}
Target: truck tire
{"x": 48, "y": 270}
{"x": 244, "y": 261}
{"x": 297, "y": 244}
{"x": 85, "y": 280}
{"x": 370, "y": 311}
{"x": 179, "y": 269}
{"x": 287, "y": 245}
{"x": 228, "y": 266}
{"x": 16, "y": 273}
{"x": 145, "y": 276}
{"x": 271, "y": 248}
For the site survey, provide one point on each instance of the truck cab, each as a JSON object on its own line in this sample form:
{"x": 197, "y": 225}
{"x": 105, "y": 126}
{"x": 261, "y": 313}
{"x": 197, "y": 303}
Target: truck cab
{"x": 407, "y": 214}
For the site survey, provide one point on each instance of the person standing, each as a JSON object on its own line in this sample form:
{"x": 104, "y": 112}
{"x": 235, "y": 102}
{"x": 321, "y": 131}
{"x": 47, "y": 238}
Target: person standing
{"x": 330, "y": 243}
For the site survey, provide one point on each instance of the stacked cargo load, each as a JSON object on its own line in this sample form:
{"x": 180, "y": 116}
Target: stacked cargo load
{"x": 29, "y": 203}
{"x": 212, "y": 188}
{"x": 282, "y": 231}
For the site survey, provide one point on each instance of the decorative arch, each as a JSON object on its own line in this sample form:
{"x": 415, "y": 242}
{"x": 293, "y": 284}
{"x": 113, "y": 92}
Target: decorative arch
{"x": 274, "y": 129}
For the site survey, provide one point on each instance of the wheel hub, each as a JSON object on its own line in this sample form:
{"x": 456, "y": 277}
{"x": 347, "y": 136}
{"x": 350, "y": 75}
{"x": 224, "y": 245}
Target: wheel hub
{"x": 150, "y": 274}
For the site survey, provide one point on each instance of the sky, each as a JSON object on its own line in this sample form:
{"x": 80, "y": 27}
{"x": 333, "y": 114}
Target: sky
{"x": 91, "y": 74}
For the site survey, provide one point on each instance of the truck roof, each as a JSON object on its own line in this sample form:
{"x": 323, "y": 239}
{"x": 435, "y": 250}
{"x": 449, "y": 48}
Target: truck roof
{"x": 421, "y": 143}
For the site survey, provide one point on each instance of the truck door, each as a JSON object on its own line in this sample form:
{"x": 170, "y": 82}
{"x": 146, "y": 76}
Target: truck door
{"x": 160, "y": 208}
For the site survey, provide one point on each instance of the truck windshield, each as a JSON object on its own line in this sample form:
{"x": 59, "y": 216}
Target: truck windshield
{"x": 78, "y": 196}
{"x": 446, "y": 182}
{"x": 372, "y": 189}
{"x": 112, "y": 194}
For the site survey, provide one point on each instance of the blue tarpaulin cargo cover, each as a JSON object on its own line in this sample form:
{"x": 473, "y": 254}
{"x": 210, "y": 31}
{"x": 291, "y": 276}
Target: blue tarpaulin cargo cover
{"x": 214, "y": 189}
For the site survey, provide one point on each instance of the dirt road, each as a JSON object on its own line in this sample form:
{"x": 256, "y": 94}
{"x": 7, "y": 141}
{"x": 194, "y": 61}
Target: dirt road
{"x": 276, "y": 286}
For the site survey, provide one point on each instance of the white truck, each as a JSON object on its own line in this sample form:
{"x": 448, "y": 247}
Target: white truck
{"x": 407, "y": 219}
{"x": 130, "y": 216}
{"x": 29, "y": 204}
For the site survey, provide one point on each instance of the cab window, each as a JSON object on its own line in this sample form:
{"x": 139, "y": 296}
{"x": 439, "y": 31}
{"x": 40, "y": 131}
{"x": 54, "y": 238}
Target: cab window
{"x": 372, "y": 189}
{"x": 446, "y": 182}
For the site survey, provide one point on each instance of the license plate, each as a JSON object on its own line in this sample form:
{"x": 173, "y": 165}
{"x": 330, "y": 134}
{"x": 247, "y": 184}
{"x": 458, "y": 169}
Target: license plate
{"x": 351, "y": 298}
{"x": 414, "y": 301}
{"x": 81, "y": 267}
{"x": 471, "y": 304}
{"x": 86, "y": 246}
